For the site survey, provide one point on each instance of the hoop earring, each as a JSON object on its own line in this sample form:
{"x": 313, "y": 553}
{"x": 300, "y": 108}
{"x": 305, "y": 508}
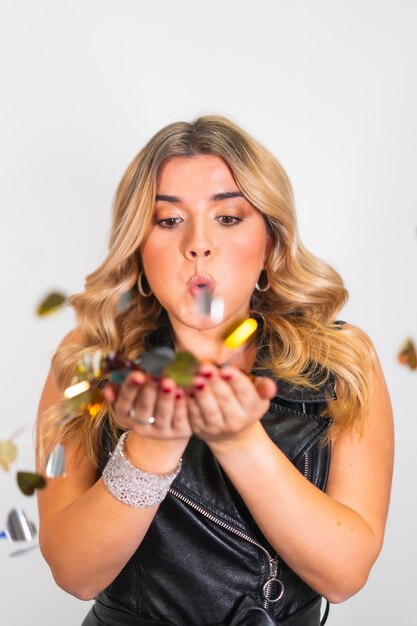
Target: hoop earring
{"x": 140, "y": 286}
{"x": 267, "y": 286}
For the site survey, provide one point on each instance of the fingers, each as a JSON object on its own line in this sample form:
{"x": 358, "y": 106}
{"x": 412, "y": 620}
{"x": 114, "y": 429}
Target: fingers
{"x": 151, "y": 407}
{"x": 266, "y": 387}
{"x": 226, "y": 401}
{"x": 137, "y": 393}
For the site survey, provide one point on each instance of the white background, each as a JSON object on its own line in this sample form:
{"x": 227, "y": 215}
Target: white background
{"x": 329, "y": 86}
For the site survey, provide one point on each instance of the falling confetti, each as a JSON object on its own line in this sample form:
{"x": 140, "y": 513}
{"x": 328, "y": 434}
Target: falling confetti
{"x": 210, "y": 306}
{"x": 55, "y": 465}
{"x": 8, "y": 453}
{"x": 23, "y": 550}
{"x": 77, "y": 389}
{"x": 408, "y": 354}
{"x": 156, "y": 361}
{"x": 239, "y": 333}
{"x": 183, "y": 368}
{"x": 29, "y": 481}
{"x": 125, "y": 301}
{"x": 52, "y": 303}
{"x": 19, "y": 527}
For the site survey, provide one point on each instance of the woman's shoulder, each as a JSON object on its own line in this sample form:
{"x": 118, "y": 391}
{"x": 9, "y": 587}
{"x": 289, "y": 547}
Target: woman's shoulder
{"x": 356, "y": 335}
{"x": 74, "y": 337}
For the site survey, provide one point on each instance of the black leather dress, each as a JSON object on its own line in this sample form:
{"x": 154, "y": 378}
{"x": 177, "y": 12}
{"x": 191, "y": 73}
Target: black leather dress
{"x": 204, "y": 562}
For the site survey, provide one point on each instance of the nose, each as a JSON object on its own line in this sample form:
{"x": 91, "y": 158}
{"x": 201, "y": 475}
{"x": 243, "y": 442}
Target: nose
{"x": 198, "y": 243}
{"x": 199, "y": 252}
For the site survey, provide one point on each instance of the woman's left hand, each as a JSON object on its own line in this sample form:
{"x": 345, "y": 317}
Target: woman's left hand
{"x": 224, "y": 404}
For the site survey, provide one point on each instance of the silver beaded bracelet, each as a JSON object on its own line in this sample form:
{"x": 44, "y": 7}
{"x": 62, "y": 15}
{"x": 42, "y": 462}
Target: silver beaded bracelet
{"x": 132, "y": 486}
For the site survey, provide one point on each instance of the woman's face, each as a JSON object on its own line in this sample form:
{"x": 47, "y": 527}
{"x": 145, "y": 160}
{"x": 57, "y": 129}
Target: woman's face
{"x": 205, "y": 235}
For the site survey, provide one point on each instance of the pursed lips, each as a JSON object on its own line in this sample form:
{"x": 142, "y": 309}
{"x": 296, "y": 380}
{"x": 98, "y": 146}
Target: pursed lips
{"x": 200, "y": 282}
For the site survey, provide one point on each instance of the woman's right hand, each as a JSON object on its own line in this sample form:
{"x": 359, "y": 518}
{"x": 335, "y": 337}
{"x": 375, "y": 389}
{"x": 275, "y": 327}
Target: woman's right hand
{"x": 141, "y": 398}
{"x": 154, "y": 446}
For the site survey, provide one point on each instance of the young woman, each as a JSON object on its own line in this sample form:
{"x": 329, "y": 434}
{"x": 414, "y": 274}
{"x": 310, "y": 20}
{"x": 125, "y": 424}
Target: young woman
{"x": 282, "y": 492}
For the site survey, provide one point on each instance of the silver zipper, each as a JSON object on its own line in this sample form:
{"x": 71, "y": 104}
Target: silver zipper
{"x": 306, "y": 464}
{"x": 272, "y": 561}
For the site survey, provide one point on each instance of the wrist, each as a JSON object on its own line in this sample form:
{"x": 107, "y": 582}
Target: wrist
{"x": 239, "y": 443}
{"x": 133, "y": 486}
{"x": 156, "y": 456}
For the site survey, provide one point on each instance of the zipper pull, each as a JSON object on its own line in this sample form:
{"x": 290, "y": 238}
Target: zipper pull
{"x": 273, "y": 567}
{"x": 273, "y": 582}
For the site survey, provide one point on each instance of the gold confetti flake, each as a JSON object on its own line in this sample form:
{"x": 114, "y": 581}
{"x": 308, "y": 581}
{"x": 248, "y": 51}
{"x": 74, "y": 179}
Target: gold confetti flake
{"x": 8, "y": 453}
{"x": 76, "y": 390}
{"x": 239, "y": 333}
{"x": 52, "y": 303}
{"x": 408, "y": 354}
{"x": 29, "y": 481}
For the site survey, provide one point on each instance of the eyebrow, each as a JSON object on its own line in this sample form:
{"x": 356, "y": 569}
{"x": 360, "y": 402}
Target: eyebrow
{"x": 225, "y": 195}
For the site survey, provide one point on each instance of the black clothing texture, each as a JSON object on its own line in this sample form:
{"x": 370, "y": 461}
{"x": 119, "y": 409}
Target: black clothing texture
{"x": 204, "y": 561}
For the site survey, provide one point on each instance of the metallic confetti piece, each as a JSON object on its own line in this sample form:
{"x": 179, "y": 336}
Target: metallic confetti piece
{"x": 155, "y": 361}
{"x": 408, "y": 354}
{"x": 29, "y": 481}
{"x": 19, "y": 527}
{"x": 51, "y": 303}
{"x": 23, "y": 550}
{"x": 239, "y": 333}
{"x": 76, "y": 390}
{"x": 96, "y": 363}
{"x": 116, "y": 361}
{"x": 125, "y": 301}
{"x": 217, "y": 310}
{"x": 55, "y": 465}
{"x": 92, "y": 364}
{"x": 118, "y": 376}
{"x": 8, "y": 453}
{"x": 88, "y": 366}
{"x": 210, "y": 307}
{"x": 89, "y": 403}
{"x": 204, "y": 300}
{"x": 4, "y": 535}
{"x": 183, "y": 368}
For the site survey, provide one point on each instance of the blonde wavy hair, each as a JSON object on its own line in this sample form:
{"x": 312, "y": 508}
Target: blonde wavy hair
{"x": 301, "y": 342}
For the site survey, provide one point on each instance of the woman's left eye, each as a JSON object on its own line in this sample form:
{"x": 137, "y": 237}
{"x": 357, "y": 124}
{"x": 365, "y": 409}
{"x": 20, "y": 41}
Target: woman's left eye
{"x": 229, "y": 220}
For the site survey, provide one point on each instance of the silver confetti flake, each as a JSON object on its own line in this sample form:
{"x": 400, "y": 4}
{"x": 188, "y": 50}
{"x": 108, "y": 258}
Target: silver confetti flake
{"x": 19, "y": 527}
{"x": 55, "y": 465}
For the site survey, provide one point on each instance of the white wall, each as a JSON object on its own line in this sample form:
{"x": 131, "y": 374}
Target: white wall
{"x": 328, "y": 85}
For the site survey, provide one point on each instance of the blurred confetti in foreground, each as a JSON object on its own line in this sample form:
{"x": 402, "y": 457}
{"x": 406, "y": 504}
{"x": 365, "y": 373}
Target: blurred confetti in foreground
{"x": 23, "y": 550}
{"x": 29, "y": 481}
{"x": 18, "y": 527}
{"x": 240, "y": 332}
{"x": 209, "y": 306}
{"x": 52, "y": 303}
{"x": 407, "y": 354}
{"x": 8, "y": 449}
{"x": 8, "y": 453}
{"x": 55, "y": 465}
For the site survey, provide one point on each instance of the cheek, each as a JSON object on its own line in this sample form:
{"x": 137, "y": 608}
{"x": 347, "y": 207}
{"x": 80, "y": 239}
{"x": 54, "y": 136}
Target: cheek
{"x": 248, "y": 253}
{"x": 154, "y": 255}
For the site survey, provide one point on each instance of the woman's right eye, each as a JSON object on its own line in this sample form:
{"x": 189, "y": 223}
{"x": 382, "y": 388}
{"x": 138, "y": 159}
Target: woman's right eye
{"x": 169, "y": 222}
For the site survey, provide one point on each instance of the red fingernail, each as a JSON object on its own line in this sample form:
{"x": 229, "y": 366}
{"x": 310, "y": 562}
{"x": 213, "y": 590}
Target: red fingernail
{"x": 138, "y": 383}
{"x": 199, "y": 386}
{"x": 166, "y": 389}
{"x": 206, "y": 374}
{"x": 226, "y": 376}
{"x": 190, "y": 394}
{"x": 179, "y": 394}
